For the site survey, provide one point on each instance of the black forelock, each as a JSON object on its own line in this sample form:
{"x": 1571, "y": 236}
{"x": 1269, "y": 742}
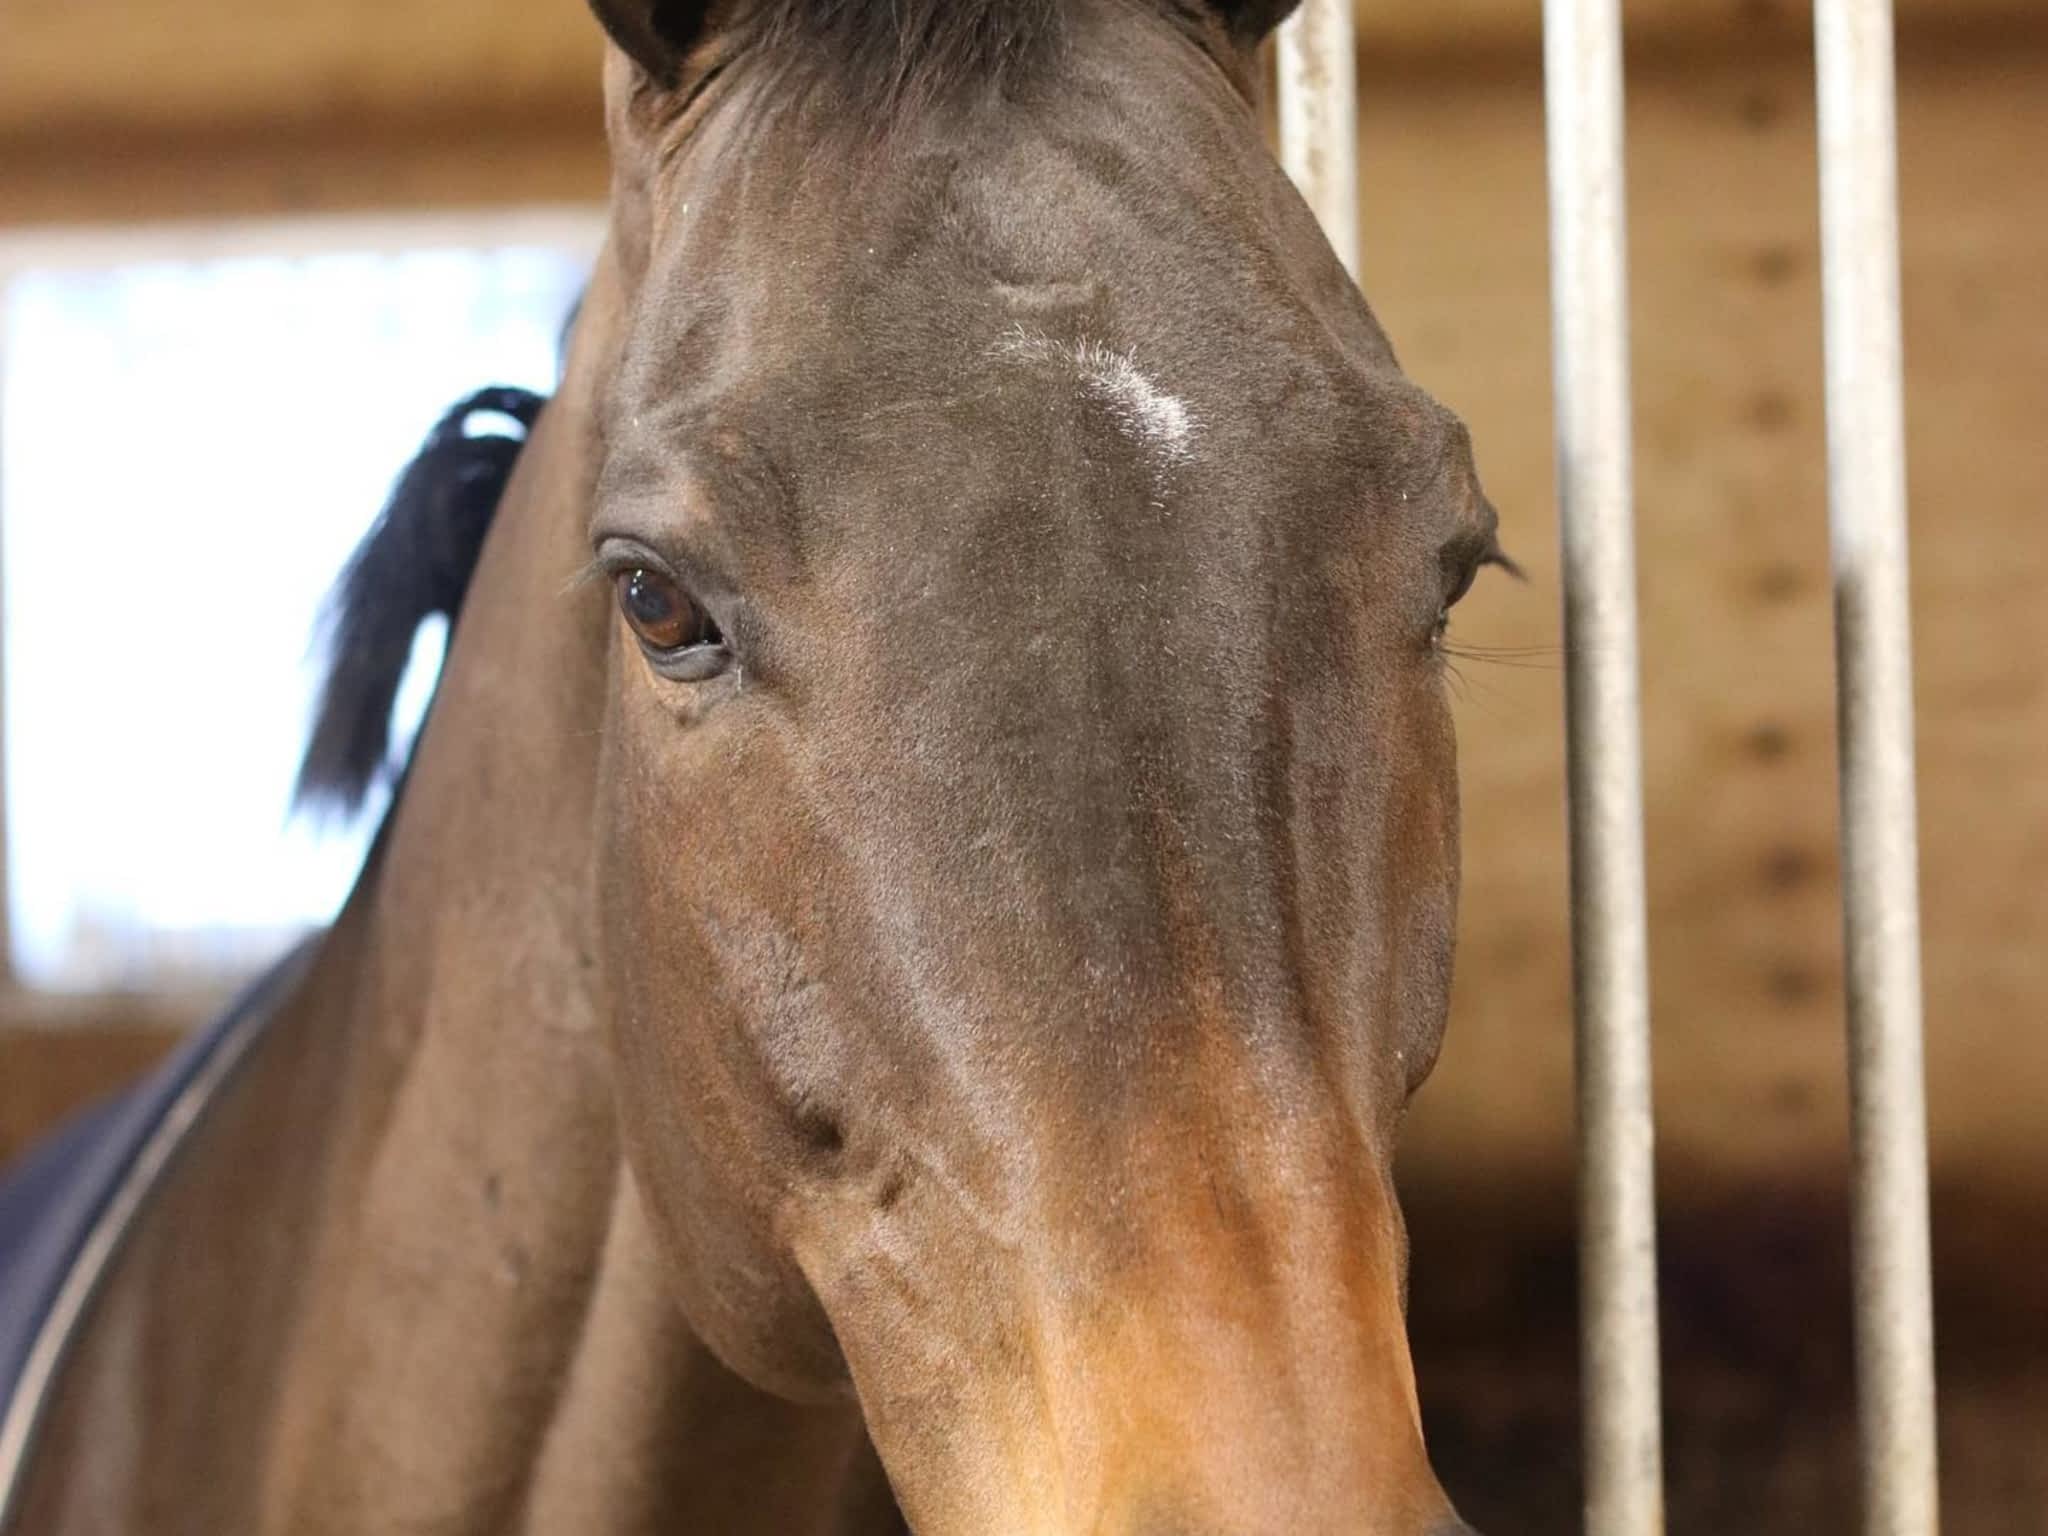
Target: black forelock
{"x": 884, "y": 59}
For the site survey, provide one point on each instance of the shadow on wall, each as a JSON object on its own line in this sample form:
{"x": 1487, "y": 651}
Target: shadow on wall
{"x": 1759, "y": 1395}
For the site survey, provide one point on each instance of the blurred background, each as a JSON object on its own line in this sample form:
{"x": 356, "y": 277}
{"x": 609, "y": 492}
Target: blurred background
{"x": 249, "y": 250}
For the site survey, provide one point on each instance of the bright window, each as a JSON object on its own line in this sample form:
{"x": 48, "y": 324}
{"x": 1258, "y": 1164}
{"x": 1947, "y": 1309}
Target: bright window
{"x": 194, "y": 432}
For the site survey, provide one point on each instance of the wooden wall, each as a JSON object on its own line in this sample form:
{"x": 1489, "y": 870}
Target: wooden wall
{"x": 109, "y": 113}
{"x": 1737, "y": 647}
{"x": 1740, "y": 766}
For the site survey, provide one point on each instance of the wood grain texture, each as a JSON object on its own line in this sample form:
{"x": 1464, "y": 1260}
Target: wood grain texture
{"x": 126, "y": 177}
{"x": 98, "y": 65}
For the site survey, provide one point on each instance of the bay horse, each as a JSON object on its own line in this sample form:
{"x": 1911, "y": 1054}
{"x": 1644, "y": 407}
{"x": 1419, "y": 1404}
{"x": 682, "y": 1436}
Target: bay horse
{"x": 885, "y": 999}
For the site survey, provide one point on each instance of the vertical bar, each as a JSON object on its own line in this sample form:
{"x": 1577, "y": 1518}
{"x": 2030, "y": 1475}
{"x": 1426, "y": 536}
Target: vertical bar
{"x": 1617, "y": 1194}
{"x": 1319, "y": 118}
{"x": 1874, "y": 664}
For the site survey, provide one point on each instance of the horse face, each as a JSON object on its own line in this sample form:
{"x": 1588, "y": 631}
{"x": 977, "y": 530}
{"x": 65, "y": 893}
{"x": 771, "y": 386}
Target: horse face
{"x": 1028, "y": 830}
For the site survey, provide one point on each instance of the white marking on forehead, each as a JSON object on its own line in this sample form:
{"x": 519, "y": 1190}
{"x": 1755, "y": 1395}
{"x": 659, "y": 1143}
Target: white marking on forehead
{"x": 1158, "y": 422}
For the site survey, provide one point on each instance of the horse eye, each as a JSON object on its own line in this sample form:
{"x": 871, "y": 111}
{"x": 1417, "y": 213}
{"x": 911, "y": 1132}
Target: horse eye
{"x": 659, "y": 613}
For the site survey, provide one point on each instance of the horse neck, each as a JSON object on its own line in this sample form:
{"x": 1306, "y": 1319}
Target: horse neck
{"x": 489, "y": 1330}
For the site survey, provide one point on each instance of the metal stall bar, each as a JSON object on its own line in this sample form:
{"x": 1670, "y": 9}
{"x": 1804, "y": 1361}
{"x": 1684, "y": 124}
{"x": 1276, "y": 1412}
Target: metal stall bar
{"x": 1874, "y": 664}
{"x": 1319, "y": 118}
{"x": 1617, "y": 1194}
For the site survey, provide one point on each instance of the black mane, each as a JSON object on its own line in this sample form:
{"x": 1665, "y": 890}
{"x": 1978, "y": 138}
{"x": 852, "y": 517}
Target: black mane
{"x": 415, "y": 561}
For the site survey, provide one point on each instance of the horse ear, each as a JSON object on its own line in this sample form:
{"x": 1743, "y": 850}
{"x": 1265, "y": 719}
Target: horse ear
{"x": 1250, "y": 20}
{"x": 655, "y": 34}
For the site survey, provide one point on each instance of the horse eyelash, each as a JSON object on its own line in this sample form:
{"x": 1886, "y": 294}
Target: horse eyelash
{"x": 1494, "y": 555}
{"x": 591, "y": 570}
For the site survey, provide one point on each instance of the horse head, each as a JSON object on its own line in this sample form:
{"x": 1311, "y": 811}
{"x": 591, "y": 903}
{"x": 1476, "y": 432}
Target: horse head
{"x": 1027, "y": 838}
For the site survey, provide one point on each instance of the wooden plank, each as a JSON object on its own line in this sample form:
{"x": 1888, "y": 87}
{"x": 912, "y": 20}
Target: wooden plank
{"x": 131, "y": 177}
{"x": 160, "y": 64}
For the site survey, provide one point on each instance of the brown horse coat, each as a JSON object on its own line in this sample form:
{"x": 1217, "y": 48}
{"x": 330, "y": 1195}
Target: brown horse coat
{"x": 897, "y": 990}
